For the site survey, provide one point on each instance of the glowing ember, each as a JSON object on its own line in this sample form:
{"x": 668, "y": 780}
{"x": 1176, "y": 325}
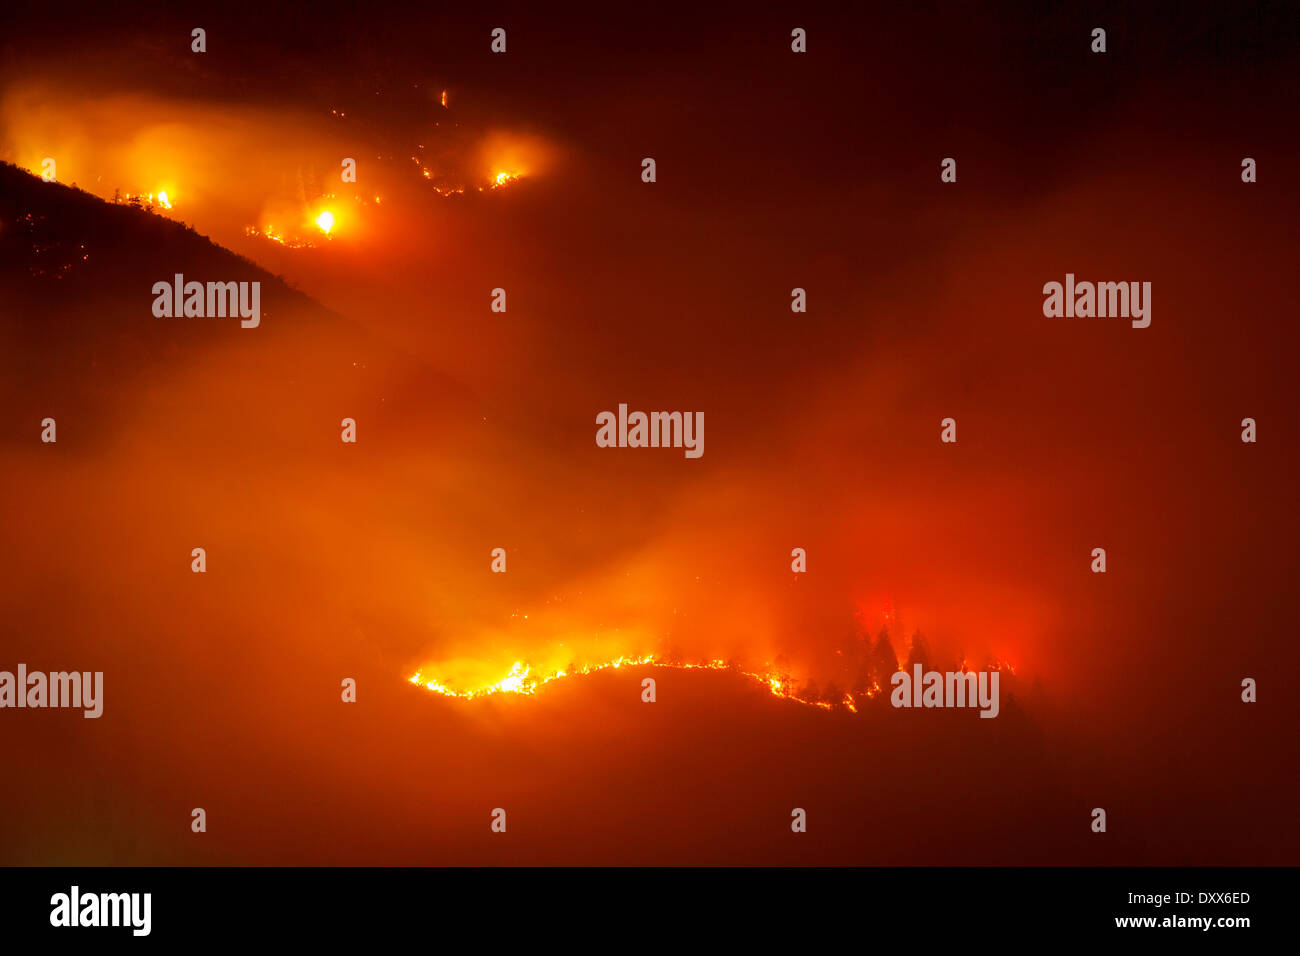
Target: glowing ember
{"x": 325, "y": 221}
{"x": 446, "y": 187}
{"x": 271, "y": 234}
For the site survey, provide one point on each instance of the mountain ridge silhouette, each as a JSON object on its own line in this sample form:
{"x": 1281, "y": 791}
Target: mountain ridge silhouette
{"x": 77, "y": 322}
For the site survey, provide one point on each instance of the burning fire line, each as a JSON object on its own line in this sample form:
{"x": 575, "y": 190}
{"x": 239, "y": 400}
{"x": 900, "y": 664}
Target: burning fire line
{"x": 522, "y": 680}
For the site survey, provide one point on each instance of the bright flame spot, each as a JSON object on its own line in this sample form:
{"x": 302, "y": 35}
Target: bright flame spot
{"x": 163, "y": 200}
{"x": 326, "y": 221}
{"x": 444, "y": 97}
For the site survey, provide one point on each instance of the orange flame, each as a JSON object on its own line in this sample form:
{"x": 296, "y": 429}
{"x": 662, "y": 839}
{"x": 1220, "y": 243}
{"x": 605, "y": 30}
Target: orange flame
{"x": 521, "y": 679}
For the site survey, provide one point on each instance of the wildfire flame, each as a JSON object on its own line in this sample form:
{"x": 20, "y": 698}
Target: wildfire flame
{"x": 521, "y": 679}
{"x": 270, "y": 233}
{"x": 444, "y": 187}
{"x": 325, "y": 221}
{"x": 145, "y": 200}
